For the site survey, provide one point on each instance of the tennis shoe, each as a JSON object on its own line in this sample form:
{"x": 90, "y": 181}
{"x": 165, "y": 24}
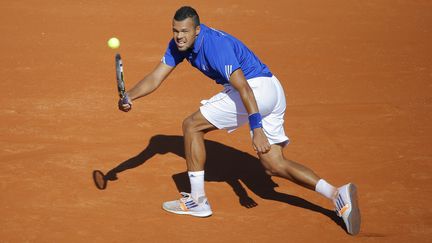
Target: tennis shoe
{"x": 189, "y": 206}
{"x": 347, "y": 207}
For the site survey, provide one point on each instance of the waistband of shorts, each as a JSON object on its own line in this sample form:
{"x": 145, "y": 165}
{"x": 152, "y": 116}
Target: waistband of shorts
{"x": 252, "y": 79}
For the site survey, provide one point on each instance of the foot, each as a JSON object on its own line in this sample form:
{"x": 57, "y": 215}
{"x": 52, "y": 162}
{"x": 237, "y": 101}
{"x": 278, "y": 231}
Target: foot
{"x": 188, "y": 205}
{"x": 347, "y": 207}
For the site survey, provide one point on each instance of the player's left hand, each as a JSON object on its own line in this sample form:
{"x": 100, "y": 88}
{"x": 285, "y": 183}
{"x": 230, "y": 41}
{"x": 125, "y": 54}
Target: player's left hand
{"x": 260, "y": 141}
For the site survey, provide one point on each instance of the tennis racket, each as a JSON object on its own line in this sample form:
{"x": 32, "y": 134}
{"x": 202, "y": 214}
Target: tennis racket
{"x": 120, "y": 80}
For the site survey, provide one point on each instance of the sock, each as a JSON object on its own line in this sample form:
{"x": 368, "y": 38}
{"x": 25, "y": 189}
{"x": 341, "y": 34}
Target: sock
{"x": 325, "y": 189}
{"x": 196, "y": 179}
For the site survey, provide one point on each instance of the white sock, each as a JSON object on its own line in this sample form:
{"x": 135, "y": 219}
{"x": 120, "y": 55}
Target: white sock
{"x": 325, "y": 189}
{"x": 196, "y": 179}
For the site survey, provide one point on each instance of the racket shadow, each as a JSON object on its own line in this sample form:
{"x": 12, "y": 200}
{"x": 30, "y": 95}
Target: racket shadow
{"x": 224, "y": 164}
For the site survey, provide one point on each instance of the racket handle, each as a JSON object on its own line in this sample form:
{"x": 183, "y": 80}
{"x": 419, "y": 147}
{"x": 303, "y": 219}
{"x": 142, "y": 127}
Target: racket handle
{"x": 125, "y": 99}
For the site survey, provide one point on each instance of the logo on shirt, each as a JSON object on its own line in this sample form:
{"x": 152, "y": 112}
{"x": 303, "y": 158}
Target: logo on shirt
{"x": 228, "y": 71}
{"x": 204, "y": 67}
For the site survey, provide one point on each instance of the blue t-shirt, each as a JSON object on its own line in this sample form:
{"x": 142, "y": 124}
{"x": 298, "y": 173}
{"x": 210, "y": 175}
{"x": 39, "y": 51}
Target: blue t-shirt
{"x": 217, "y": 55}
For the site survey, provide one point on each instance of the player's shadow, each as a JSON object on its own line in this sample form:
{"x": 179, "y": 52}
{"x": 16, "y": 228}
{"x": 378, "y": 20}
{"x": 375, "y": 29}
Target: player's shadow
{"x": 224, "y": 164}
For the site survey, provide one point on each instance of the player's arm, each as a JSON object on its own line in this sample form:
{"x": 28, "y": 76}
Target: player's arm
{"x": 239, "y": 82}
{"x": 148, "y": 84}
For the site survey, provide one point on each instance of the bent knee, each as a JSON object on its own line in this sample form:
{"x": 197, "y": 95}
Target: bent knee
{"x": 188, "y": 124}
{"x": 270, "y": 172}
{"x": 277, "y": 170}
{"x": 275, "y": 165}
{"x": 273, "y": 169}
{"x": 195, "y": 123}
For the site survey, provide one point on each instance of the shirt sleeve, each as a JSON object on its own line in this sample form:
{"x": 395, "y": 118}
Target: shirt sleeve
{"x": 172, "y": 56}
{"x": 223, "y": 59}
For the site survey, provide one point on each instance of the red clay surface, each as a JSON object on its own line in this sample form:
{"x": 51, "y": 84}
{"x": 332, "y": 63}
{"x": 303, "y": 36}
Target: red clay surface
{"x": 358, "y": 81}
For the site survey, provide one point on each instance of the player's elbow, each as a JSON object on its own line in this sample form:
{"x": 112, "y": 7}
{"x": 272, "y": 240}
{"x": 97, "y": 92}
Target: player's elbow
{"x": 152, "y": 82}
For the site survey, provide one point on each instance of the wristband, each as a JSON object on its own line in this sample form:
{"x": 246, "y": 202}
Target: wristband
{"x": 255, "y": 121}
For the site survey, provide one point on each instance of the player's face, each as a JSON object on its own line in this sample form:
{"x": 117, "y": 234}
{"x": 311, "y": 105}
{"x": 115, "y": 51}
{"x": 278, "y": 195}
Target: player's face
{"x": 185, "y": 33}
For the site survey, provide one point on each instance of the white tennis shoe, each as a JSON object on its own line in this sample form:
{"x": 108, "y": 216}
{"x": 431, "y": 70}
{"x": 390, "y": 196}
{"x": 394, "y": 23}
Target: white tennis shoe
{"x": 347, "y": 207}
{"x": 189, "y": 206}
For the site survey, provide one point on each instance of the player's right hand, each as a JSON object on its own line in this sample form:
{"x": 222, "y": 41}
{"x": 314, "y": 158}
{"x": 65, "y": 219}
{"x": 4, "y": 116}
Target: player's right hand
{"x": 259, "y": 141}
{"x": 125, "y": 103}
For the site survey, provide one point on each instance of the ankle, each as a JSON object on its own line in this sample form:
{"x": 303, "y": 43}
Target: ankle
{"x": 196, "y": 179}
{"x": 326, "y": 189}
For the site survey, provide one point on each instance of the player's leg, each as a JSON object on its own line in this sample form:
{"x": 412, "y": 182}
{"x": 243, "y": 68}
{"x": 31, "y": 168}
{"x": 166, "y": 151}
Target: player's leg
{"x": 195, "y": 203}
{"x": 194, "y": 128}
{"x": 344, "y": 197}
{"x": 276, "y": 164}
{"x": 219, "y": 112}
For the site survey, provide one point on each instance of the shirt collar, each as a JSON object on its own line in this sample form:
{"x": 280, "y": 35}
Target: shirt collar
{"x": 200, "y": 39}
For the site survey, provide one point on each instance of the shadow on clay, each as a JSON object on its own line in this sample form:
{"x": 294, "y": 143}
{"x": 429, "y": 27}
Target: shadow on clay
{"x": 224, "y": 164}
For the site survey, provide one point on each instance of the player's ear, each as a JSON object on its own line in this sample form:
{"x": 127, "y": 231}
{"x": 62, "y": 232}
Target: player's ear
{"x": 197, "y": 30}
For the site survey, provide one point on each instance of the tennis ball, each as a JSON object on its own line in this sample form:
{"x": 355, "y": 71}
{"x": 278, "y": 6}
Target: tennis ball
{"x": 114, "y": 43}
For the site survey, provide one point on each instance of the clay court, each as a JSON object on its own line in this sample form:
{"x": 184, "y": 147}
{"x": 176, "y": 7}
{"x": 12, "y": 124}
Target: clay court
{"x": 358, "y": 83}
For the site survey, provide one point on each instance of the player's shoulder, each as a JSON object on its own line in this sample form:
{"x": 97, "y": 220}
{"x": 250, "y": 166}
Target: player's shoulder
{"x": 213, "y": 32}
{"x": 215, "y": 38}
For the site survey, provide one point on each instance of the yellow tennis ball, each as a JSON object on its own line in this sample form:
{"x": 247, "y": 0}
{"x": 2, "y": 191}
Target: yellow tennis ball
{"x": 114, "y": 43}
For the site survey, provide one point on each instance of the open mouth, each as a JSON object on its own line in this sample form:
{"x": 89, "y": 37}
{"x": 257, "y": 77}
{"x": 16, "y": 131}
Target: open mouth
{"x": 181, "y": 44}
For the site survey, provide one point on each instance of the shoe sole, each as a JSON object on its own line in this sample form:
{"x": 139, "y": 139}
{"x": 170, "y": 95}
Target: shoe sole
{"x": 195, "y": 214}
{"x": 354, "y": 217}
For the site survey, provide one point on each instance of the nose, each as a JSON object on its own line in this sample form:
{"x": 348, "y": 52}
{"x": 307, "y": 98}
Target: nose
{"x": 180, "y": 35}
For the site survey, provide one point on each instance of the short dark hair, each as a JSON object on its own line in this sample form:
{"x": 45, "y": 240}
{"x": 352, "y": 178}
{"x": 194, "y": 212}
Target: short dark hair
{"x": 187, "y": 12}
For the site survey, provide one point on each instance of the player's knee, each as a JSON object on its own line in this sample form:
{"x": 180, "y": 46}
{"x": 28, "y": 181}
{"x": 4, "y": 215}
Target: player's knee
{"x": 189, "y": 125}
{"x": 270, "y": 172}
{"x": 276, "y": 170}
{"x": 274, "y": 166}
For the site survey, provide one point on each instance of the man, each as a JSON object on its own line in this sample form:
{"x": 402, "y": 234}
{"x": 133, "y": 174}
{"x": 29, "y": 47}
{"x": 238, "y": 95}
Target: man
{"x": 251, "y": 94}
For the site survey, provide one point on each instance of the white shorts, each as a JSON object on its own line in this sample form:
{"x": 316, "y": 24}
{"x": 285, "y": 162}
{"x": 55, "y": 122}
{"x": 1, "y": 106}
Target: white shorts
{"x": 225, "y": 110}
